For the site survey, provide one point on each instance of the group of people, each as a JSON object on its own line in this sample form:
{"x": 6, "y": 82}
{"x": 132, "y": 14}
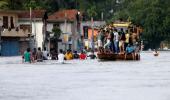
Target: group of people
{"x": 35, "y": 55}
{"x": 69, "y": 55}
{"x": 112, "y": 40}
{"x": 32, "y": 56}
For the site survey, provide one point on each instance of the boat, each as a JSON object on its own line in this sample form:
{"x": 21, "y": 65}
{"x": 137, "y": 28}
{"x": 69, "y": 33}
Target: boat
{"x": 113, "y": 56}
{"x": 135, "y": 30}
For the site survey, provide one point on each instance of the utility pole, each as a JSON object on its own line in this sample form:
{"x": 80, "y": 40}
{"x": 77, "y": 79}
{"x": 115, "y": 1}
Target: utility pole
{"x": 35, "y": 40}
{"x": 66, "y": 34}
{"x": 0, "y": 39}
{"x": 1, "y": 29}
{"x": 102, "y": 16}
{"x": 45, "y": 17}
{"x": 92, "y": 26}
{"x": 78, "y": 23}
{"x": 30, "y": 28}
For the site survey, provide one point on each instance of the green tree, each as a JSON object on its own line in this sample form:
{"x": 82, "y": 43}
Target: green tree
{"x": 4, "y": 4}
{"x": 92, "y": 11}
{"x": 57, "y": 33}
{"x": 152, "y": 15}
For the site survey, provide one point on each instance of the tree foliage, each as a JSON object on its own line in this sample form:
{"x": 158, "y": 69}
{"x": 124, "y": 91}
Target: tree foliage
{"x": 57, "y": 32}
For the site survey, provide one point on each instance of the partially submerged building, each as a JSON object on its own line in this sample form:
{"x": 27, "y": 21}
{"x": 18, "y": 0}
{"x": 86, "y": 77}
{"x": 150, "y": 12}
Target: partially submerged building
{"x": 19, "y": 31}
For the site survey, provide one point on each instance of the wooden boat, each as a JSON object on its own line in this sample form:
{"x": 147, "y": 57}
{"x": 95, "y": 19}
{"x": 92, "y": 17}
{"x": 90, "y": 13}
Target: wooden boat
{"x": 104, "y": 54}
{"x": 112, "y": 56}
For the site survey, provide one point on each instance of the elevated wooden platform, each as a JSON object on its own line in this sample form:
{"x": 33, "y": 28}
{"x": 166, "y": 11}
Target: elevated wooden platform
{"x": 112, "y": 56}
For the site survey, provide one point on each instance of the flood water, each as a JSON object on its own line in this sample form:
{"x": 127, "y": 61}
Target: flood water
{"x": 147, "y": 79}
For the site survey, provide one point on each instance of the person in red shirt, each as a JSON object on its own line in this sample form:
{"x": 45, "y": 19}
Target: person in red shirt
{"x": 83, "y": 56}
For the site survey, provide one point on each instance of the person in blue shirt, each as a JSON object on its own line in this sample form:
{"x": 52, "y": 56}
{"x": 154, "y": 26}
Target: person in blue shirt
{"x": 130, "y": 50}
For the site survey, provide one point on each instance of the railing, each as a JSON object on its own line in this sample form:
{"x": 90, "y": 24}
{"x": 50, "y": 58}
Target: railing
{"x": 15, "y": 32}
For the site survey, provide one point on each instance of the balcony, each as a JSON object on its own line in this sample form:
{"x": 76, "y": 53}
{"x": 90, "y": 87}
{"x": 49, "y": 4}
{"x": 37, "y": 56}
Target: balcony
{"x": 15, "y": 32}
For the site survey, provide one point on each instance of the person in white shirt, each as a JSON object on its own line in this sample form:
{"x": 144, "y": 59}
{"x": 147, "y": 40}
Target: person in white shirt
{"x": 116, "y": 41}
{"x": 108, "y": 42}
{"x": 45, "y": 54}
{"x": 61, "y": 56}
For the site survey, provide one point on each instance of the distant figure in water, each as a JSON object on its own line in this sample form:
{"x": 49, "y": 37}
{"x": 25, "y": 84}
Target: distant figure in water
{"x": 61, "y": 57}
{"x": 27, "y": 56}
{"x": 155, "y": 53}
{"x": 39, "y": 55}
{"x": 92, "y": 55}
{"x": 75, "y": 55}
{"x": 83, "y": 56}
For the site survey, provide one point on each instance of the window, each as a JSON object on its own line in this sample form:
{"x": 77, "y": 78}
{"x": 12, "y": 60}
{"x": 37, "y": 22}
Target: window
{"x": 12, "y": 23}
{"x": 5, "y": 21}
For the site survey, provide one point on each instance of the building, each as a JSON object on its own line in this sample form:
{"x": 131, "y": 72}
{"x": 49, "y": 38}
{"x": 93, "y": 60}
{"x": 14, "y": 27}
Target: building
{"x": 86, "y": 31}
{"x": 14, "y": 38}
{"x": 66, "y": 20}
{"x": 20, "y": 31}
{"x": 33, "y": 20}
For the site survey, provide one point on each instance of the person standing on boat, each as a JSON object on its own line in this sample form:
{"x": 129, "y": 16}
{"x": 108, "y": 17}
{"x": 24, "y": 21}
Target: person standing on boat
{"x": 122, "y": 41}
{"x": 127, "y": 35}
{"x": 116, "y": 41}
{"x": 99, "y": 41}
{"x": 111, "y": 40}
{"x": 108, "y": 42}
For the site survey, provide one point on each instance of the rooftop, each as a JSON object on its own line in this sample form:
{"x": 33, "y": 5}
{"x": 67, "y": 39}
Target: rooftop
{"x": 35, "y": 14}
{"x": 25, "y": 13}
{"x": 61, "y": 15}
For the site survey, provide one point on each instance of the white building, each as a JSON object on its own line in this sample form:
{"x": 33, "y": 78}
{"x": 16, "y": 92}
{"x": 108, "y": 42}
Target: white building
{"x": 66, "y": 21}
{"x": 35, "y": 20}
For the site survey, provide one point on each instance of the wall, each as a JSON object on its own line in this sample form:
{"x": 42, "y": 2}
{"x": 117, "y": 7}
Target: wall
{"x": 66, "y": 28}
{"x": 87, "y": 41}
{"x": 37, "y": 31}
{"x": 88, "y": 23}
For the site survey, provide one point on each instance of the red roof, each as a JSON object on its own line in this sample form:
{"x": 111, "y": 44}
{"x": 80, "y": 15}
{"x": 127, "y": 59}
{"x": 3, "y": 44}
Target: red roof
{"x": 35, "y": 14}
{"x": 61, "y": 15}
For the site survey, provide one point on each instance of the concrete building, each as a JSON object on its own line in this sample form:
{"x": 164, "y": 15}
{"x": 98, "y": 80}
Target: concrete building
{"x": 66, "y": 21}
{"x": 36, "y": 23}
{"x": 18, "y": 32}
{"x": 86, "y": 31}
{"x": 14, "y": 38}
